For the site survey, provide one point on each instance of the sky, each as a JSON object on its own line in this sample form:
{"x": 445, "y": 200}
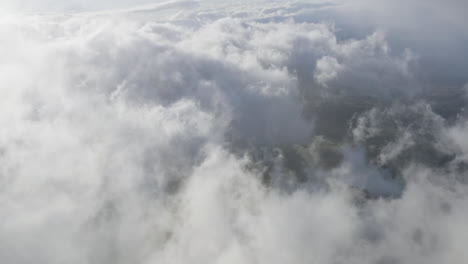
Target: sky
{"x": 71, "y": 5}
{"x": 233, "y": 132}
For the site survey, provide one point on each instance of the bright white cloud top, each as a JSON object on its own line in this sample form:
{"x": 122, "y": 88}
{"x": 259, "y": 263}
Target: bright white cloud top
{"x": 213, "y": 132}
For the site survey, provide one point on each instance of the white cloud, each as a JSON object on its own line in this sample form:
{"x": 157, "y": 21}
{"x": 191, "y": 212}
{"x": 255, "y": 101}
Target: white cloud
{"x": 221, "y": 133}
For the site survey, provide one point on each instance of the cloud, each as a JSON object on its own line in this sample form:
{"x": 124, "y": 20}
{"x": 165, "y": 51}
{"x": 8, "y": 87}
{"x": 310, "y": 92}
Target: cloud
{"x": 228, "y": 133}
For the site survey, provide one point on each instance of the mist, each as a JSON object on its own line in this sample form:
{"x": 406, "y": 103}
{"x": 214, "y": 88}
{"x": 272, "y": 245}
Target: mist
{"x": 233, "y": 132}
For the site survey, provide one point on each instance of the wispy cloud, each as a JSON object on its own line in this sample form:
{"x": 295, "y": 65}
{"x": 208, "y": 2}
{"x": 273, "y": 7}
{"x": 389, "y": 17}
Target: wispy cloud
{"x": 201, "y": 132}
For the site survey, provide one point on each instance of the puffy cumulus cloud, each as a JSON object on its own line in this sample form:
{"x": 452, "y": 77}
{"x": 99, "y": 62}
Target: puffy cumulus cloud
{"x": 190, "y": 132}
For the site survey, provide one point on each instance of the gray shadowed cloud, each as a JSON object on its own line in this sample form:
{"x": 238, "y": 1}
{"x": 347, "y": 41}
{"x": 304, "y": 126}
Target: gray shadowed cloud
{"x": 283, "y": 132}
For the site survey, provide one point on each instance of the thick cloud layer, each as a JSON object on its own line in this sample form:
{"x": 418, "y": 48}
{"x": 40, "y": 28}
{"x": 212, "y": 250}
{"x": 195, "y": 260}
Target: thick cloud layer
{"x": 189, "y": 132}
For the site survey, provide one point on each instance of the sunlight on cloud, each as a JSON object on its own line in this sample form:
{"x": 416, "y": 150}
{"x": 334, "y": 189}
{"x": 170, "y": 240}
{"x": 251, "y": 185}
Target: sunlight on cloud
{"x": 203, "y": 132}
